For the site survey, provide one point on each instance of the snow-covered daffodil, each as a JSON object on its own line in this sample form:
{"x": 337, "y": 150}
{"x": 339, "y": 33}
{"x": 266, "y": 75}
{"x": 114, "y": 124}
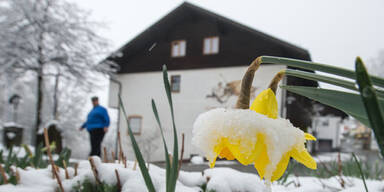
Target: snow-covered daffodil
{"x": 266, "y": 104}
{"x": 255, "y": 135}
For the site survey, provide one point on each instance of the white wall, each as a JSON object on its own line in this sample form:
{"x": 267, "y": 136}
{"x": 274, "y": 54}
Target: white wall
{"x": 330, "y": 131}
{"x": 139, "y": 88}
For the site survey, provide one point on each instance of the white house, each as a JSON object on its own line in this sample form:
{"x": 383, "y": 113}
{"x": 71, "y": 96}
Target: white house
{"x": 206, "y": 55}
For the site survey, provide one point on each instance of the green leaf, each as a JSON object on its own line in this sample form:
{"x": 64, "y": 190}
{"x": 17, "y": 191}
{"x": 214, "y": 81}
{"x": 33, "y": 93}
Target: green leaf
{"x": 38, "y": 161}
{"x": 371, "y": 103}
{"x": 64, "y": 155}
{"x": 326, "y": 79}
{"x": 316, "y": 77}
{"x": 361, "y": 171}
{"x": 139, "y": 156}
{"x": 337, "y": 99}
{"x": 167, "y": 161}
{"x": 317, "y": 67}
{"x": 174, "y": 166}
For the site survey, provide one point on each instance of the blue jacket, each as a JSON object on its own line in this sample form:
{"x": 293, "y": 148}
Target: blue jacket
{"x": 97, "y": 119}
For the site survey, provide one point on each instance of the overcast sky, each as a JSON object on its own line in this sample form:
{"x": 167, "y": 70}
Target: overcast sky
{"x": 334, "y": 31}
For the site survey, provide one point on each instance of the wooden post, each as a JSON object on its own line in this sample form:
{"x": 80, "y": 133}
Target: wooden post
{"x": 120, "y": 147}
{"x": 46, "y": 139}
{"x": 66, "y": 170}
{"x": 57, "y": 169}
{"x": 94, "y": 170}
{"x": 118, "y": 180}
{"x": 340, "y": 171}
{"x": 134, "y": 165}
{"x": 17, "y": 176}
{"x": 125, "y": 161}
{"x": 76, "y": 166}
{"x": 105, "y": 155}
{"x": 3, "y": 174}
{"x": 182, "y": 153}
{"x": 113, "y": 157}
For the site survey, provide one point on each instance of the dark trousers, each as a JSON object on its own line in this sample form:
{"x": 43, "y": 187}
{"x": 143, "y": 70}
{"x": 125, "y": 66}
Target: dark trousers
{"x": 96, "y": 136}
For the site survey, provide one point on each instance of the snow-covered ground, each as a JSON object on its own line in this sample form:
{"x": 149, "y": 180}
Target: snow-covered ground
{"x": 218, "y": 179}
{"x": 333, "y": 156}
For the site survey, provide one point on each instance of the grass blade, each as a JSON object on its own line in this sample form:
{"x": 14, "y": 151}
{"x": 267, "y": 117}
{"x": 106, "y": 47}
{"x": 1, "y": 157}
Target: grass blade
{"x": 139, "y": 156}
{"x": 371, "y": 103}
{"x": 174, "y": 166}
{"x": 167, "y": 161}
{"x": 361, "y": 171}
{"x": 318, "y": 67}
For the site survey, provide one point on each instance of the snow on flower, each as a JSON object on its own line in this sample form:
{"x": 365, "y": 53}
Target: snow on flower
{"x": 253, "y": 135}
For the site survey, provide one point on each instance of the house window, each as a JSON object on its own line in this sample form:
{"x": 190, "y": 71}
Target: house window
{"x": 135, "y": 122}
{"x": 175, "y": 83}
{"x": 178, "y": 48}
{"x": 211, "y": 45}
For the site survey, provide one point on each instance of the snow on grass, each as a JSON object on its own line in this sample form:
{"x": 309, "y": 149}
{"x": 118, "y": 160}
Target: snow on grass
{"x": 313, "y": 184}
{"x": 32, "y": 180}
{"x": 329, "y": 157}
{"x": 19, "y": 151}
{"x": 227, "y": 180}
{"x": 40, "y": 180}
{"x": 217, "y": 179}
{"x": 197, "y": 160}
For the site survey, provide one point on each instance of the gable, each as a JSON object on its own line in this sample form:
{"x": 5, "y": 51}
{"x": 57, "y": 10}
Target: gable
{"x": 238, "y": 44}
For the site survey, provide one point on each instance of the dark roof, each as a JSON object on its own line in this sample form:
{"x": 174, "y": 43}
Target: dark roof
{"x": 146, "y": 39}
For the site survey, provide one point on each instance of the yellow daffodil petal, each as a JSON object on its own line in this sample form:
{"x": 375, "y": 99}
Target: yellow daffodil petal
{"x": 265, "y": 103}
{"x": 226, "y": 153}
{"x": 281, "y": 167}
{"x": 217, "y": 150}
{"x": 212, "y": 163}
{"x": 261, "y": 155}
{"x": 309, "y": 137}
{"x": 240, "y": 153}
{"x": 262, "y": 163}
{"x": 222, "y": 150}
{"x": 258, "y": 148}
{"x": 304, "y": 158}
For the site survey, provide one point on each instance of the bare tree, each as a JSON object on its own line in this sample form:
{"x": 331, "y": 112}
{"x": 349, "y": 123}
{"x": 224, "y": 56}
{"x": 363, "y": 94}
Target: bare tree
{"x": 50, "y": 38}
{"x": 376, "y": 65}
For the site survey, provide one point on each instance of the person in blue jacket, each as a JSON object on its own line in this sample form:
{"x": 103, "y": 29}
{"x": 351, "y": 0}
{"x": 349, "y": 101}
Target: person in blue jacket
{"x": 97, "y": 125}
